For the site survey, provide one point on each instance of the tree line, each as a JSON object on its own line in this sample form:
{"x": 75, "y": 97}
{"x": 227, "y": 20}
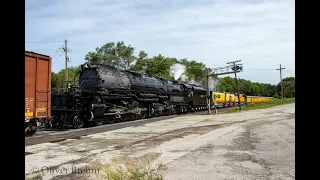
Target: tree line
{"x": 228, "y": 84}
{"x": 123, "y": 57}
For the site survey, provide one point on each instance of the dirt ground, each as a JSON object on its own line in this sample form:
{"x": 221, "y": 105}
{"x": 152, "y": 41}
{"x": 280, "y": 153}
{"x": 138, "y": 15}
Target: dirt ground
{"x": 247, "y": 145}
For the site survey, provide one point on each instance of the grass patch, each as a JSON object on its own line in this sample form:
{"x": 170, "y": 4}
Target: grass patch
{"x": 131, "y": 169}
{"x": 33, "y": 177}
{"x": 262, "y": 105}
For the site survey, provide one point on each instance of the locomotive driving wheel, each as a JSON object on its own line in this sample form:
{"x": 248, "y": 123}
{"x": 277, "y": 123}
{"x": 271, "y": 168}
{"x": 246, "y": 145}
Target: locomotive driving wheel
{"x": 111, "y": 119}
{"x": 156, "y": 114}
{"x": 132, "y": 116}
{"x": 77, "y": 122}
{"x": 143, "y": 114}
{"x": 174, "y": 111}
{"x": 98, "y": 122}
{"x": 124, "y": 117}
{"x": 31, "y": 129}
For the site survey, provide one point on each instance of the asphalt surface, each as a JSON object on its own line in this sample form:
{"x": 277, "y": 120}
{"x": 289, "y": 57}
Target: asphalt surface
{"x": 48, "y": 135}
{"x": 56, "y": 136}
{"x": 262, "y": 149}
{"x": 256, "y": 144}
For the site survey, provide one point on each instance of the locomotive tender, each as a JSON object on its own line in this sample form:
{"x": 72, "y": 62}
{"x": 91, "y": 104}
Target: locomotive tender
{"x": 107, "y": 95}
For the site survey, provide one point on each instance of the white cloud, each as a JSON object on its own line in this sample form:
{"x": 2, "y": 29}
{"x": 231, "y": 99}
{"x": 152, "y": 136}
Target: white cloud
{"x": 260, "y": 33}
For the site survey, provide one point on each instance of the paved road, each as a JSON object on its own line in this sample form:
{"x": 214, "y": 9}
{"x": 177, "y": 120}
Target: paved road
{"x": 48, "y": 135}
{"x": 248, "y": 145}
{"x": 258, "y": 149}
{"x": 43, "y": 136}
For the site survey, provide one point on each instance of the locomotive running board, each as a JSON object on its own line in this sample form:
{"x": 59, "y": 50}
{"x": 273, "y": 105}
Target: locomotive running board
{"x": 134, "y": 111}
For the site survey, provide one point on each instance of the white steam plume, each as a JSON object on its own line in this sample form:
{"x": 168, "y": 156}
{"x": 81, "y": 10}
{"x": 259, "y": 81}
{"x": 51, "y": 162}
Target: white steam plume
{"x": 177, "y": 71}
{"x": 194, "y": 82}
{"x": 213, "y": 83}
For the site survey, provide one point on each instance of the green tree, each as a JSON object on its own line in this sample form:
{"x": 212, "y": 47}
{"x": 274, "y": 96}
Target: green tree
{"x": 159, "y": 66}
{"x": 195, "y": 70}
{"x": 288, "y": 87}
{"x": 114, "y": 54}
{"x": 58, "y": 79}
{"x": 244, "y": 86}
{"x": 255, "y": 89}
{"x": 122, "y": 56}
{"x": 227, "y": 84}
{"x": 141, "y": 63}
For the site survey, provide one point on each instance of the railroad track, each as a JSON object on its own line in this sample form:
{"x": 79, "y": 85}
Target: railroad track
{"x": 61, "y": 135}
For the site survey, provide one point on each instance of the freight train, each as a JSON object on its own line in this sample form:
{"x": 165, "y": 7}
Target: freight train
{"x": 108, "y": 95}
{"x": 225, "y": 99}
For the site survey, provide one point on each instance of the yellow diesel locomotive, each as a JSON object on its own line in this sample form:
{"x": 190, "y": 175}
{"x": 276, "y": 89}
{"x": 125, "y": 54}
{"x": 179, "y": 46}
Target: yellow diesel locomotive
{"x": 226, "y": 99}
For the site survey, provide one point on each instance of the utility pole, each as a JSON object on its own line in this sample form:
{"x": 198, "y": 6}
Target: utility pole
{"x": 235, "y": 75}
{"x": 208, "y": 92}
{"x": 281, "y": 80}
{"x": 66, "y": 50}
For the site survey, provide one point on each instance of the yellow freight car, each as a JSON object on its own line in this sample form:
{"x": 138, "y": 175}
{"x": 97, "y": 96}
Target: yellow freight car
{"x": 222, "y": 99}
{"x": 242, "y": 98}
{"x": 230, "y": 100}
{"x": 217, "y": 98}
{"x": 256, "y": 99}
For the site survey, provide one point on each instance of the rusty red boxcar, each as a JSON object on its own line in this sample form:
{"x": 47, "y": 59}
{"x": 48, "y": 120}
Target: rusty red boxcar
{"x": 37, "y": 90}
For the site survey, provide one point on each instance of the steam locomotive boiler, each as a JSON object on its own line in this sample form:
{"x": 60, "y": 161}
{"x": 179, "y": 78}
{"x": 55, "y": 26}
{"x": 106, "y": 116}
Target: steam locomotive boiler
{"x": 112, "y": 95}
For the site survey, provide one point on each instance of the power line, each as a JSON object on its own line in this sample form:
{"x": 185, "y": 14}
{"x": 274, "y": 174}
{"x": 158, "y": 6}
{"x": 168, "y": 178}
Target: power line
{"x": 260, "y": 69}
{"x": 264, "y": 69}
{"x": 56, "y": 59}
{"x": 165, "y": 63}
{"x": 82, "y": 43}
{"x": 43, "y": 41}
{"x": 42, "y": 50}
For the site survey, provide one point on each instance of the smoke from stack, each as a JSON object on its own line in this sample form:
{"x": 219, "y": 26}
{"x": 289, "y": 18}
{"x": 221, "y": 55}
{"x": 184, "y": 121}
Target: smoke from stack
{"x": 178, "y": 72}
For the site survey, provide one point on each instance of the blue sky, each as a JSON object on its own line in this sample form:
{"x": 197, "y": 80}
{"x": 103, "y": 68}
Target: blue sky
{"x": 260, "y": 33}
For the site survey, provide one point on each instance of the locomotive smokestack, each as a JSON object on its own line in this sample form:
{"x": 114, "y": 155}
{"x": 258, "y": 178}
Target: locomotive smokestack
{"x": 86, "y": 66}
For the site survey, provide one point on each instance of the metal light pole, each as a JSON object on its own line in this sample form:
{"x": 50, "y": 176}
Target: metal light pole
{"x": 235, "y": 75}
{"x": 208, "y": 92}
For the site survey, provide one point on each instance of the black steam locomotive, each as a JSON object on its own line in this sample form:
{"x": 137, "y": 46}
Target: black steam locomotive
{"x": 108, "y": 95}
